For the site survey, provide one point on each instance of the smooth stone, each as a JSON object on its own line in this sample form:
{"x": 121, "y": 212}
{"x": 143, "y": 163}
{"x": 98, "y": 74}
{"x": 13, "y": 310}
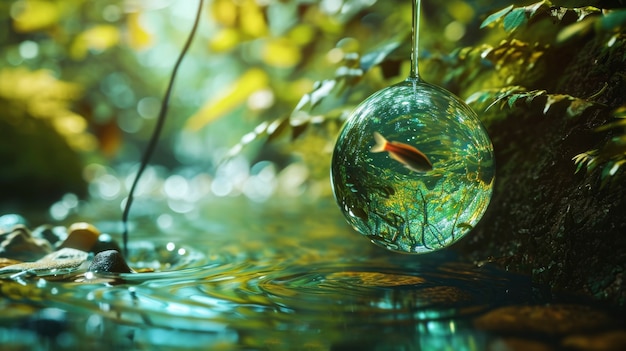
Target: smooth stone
{"x": 81, "y": 236}
{"x": 110, "y": 261}
{"x": 19, "y": 244}
{"x": 64, "y": 259}
{"x": 544, "y": 319}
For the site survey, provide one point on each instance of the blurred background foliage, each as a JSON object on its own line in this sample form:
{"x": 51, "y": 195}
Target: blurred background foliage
{"x": 81, "y": 84}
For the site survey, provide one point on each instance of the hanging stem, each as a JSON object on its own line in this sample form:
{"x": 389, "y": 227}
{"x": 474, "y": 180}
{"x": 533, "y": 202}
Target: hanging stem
{"x": 157, "y": 129}
{"x": 416, "y": 38}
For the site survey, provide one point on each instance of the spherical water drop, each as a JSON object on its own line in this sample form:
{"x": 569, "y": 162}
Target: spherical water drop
{"x": 429, "y": 184}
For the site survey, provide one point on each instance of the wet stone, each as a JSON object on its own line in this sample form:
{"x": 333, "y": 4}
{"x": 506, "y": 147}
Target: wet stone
{"x": 7, "y": 262}
{"x": 81, "y": 236}
{"x": 607, "y": 341}
{"x": 19, "y": 244}
{"x": 547, "y": 320}
{"x": 64, "y": 259}
{"x": 110, "y": 261}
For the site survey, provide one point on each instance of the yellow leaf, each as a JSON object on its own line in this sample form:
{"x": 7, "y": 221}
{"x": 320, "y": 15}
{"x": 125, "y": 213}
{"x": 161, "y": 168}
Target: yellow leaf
{"x": 98, "y": 38}
{"x": 293, "y": 90}
{"x": 42, "y": 96}
{"x": 281, "y": 53}
{"x": 35, "y": 15}
{"x": 224, "y": 40}
{"x": 302, "y": 34}
{"x": 224, "y": 12}
{"x": 138, "y": 37}
{"x": 460, "y": 10}
{"x": 69, "y": 123}
{"x": 252, "y": 19}
{"x": 251, "y": 81}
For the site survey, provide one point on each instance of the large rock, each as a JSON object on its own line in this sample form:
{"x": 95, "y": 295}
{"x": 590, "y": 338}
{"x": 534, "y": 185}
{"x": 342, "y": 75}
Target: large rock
{"x": 564, "y": 228}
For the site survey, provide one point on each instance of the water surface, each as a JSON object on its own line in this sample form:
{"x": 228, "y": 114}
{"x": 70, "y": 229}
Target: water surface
{"x": 283, "y": 275}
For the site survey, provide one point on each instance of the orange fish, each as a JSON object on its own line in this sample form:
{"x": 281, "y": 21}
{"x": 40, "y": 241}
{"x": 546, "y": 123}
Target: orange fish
{"x": 406, "y": 154}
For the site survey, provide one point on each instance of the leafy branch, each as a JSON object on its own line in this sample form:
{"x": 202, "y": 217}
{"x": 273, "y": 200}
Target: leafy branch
{"x": 512, "y": 18}
{"x": 502, "y": 74}
{"x": 515, "y": 96}
{"x": 326, "y": 103}
{"x": 512, "y": 61}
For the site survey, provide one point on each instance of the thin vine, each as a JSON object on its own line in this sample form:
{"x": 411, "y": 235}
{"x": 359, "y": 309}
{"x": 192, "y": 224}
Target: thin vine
{"x": 154, "y": 138}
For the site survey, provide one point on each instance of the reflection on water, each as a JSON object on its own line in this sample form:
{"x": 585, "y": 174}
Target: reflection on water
{"x": 281, "y": 276}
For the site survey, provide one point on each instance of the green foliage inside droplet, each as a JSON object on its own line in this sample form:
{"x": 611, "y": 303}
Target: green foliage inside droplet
{"x": 404, "y": 209}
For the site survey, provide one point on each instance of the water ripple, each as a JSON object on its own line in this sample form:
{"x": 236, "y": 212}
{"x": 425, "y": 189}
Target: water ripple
{"x": 296, "y": 277}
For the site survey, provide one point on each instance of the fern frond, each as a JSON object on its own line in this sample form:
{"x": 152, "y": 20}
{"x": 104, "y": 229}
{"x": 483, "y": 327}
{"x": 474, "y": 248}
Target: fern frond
{"x": 515, "y": 95}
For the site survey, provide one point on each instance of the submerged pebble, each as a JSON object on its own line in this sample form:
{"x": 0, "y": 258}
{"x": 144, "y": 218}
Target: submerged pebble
{"x": 607, "y": 341}
{"x": 543, "y": 319}
{"x": 110, "y": 261}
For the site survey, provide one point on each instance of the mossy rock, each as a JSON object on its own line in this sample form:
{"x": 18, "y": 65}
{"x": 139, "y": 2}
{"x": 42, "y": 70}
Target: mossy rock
{"x": 564, "y": 228}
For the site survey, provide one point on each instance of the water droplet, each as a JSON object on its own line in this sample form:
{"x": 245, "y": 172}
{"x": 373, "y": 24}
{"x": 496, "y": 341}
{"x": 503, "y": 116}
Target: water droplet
{"x": 385, "y": 196}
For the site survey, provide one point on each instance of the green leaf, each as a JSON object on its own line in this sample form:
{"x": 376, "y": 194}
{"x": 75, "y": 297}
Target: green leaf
{"x": 378, "y": 55}
{"x": 620, "y": 112}
{"x": 496, "y": 16}
{"x": 515, "y": 19}
{"x": 513, "y": 99}
{"x": 320, "y": 91}
{"x": 578, "y": 106}
{"x": 531, "y": 10}
{"x": 583, "y": 12}
{"x": 613, "y": 19}
{"x": 586, "y": 159}
{"x": 581, "y": 160}
{"x": 615, "y": 167}
{"x": 554, "y": 99}
{"x": 277, "y": 128}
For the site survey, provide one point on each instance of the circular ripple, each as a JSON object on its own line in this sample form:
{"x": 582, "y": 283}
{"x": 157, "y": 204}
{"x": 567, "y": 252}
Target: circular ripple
{"x": 163, "y": 256}
{"x": 387, "y": 291}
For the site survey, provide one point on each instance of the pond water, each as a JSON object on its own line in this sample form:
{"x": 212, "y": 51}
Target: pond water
{"x": 283, "y": 275}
